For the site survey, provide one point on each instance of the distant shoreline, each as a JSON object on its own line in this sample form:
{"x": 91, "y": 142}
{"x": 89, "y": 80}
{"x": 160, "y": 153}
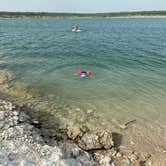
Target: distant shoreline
{"x": 141, "y": 14}
{"x": 45, "y": 17}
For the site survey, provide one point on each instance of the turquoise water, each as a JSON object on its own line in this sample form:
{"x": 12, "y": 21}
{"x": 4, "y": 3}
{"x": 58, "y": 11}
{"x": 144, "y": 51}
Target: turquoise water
{"x": 127, "y": 58}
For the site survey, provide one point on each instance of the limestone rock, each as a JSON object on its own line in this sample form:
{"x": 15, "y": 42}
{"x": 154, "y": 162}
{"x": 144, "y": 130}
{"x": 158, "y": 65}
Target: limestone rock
{"x": 106, "y": 139}
{"x": 133, "y": 157}
{"x": 106, "y": 161}
{"x": 1, "y": 124}
{"x": 73, "y": 132}
{"x": 23, "y": 117}
{"x": 96, "y": 140}
{"x": 21, "y": 143}
{"x": 126, "y": 162}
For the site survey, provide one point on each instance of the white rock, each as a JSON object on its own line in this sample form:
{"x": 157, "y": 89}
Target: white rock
{"x": 1, "y": 124}
{"x": 15, "y": 113}
{"x": 106, "y": 161}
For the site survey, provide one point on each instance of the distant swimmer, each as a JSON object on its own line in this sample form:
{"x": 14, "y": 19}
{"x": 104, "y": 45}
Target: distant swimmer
{"x": 76, "y": 29}
{"x": 83, "y": 74}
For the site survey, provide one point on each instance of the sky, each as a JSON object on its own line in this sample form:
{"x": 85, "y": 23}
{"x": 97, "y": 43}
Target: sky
{"x": 81, "y": 6}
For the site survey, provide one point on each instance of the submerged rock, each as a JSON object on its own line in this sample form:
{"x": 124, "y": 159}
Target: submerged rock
{"x": 5, "y": 77}
{"x": 133, "y": 157}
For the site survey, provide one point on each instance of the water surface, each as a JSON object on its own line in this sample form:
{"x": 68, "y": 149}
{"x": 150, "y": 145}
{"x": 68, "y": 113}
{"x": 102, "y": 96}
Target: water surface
{"x": 127, "y": 58}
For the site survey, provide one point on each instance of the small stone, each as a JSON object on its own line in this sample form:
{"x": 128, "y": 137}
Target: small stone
{"x": 6, "y": 126}
{"x": 11, "y": 123}
{"x": 2, "y": 116}
{"x": 89, "y": 111}
{"x": 78, "y": 109}
{"x": 149, "y": 163}
{"x": 114, "y": 153}
{"x": 15, "y": 118}
{"x": 98, "y": 156}
{"x": 106, "y": 161}
{"x": 96, "y": 140}
{"x": 1, "y": 124}
{"x": 6, "y": 114}
{"x": 35, "y": 122}
{"x": 12, "y": 156}
{"x": 73, "y": 132}
{"x": 132, "y": 143}
{"x": 133, "y": 157}
{"x": 90, "y": 141}
{"x": 27, "y": 163}
{"x": 15, "y": 113}
{"x": 126, "y": 162}
{"x": 142, "y": 163}
{"x": 147, "y": 155}
{"x": 119, "y": 155}
{"x": 23, "y": 117}
{"x": 106, "y": 139}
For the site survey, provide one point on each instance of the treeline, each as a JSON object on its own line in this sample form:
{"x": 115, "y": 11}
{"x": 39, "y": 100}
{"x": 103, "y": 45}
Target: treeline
{"x": 71, "y": 15}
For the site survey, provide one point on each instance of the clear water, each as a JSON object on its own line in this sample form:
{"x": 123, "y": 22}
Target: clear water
{"x": 127, "y": 58}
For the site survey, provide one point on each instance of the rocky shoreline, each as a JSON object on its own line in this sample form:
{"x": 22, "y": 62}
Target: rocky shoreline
{"x": 21, "y": 143}
{"x": 41, "y": 131}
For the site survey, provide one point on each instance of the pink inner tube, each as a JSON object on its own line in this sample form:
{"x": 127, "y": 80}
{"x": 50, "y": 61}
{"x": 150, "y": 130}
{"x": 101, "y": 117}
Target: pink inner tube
{"x": 88, "y": 73}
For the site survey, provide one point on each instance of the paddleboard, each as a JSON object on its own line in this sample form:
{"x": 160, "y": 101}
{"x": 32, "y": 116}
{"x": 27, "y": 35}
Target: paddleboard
{"x": 76, "y": 30}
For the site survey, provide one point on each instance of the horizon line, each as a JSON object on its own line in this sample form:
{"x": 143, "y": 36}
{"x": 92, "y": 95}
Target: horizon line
{"x": 134, "y": 11}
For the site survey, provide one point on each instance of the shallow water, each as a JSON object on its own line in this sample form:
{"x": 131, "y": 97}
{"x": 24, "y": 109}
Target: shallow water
{"x": 127, "y": 58}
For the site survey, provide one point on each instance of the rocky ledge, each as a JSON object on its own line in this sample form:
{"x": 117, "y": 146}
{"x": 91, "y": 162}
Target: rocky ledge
{"x": 21, "y": 144}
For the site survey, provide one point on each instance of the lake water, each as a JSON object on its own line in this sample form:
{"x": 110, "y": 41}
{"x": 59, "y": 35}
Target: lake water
{"x": 127, "y": 58}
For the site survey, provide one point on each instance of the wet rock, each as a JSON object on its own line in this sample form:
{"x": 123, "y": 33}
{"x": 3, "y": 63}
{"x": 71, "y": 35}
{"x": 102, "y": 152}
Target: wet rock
{"x": 96, "y": 140}
{"x": 22, "y": 144}
{"x": 12, "y": 156}
{"x": 119, "y": 155}
{"x": 71, "y": 162}
{"x": 73, "y": 132}
{"x": 35, "y": 122}
{"x": 90, "y": 141}
{"x": 5, "y": 76}
{"x": 27, "y": 163}
{"x": 106, "y": 139}
{"x": 98, "y": 156}
{"x": 142, "y": 163}
{"x": 146, "y": 156}
{"x": 72, "y": 151}
{"x": 1, "y": 124}
{"x": 126, "y": 162}
{"x": 2, "y": 116}
{"x": 133, "y": 157}
{"x": 15, "y": 113}
{"x": 23, "y": 117}
{"x": 106, "y": 161}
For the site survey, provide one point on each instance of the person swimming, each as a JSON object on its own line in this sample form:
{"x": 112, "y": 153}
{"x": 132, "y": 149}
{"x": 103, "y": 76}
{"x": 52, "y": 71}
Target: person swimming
{"x": 83, "y": 74}
{"x": 76, "y": 29}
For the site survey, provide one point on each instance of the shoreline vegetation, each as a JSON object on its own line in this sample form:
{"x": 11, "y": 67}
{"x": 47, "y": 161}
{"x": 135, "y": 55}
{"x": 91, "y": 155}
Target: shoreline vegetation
{"x": 138, "y": 14}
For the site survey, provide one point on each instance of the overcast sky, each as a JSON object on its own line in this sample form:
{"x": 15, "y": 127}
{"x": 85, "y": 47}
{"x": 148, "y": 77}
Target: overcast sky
{"x": 83, "y": 6}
